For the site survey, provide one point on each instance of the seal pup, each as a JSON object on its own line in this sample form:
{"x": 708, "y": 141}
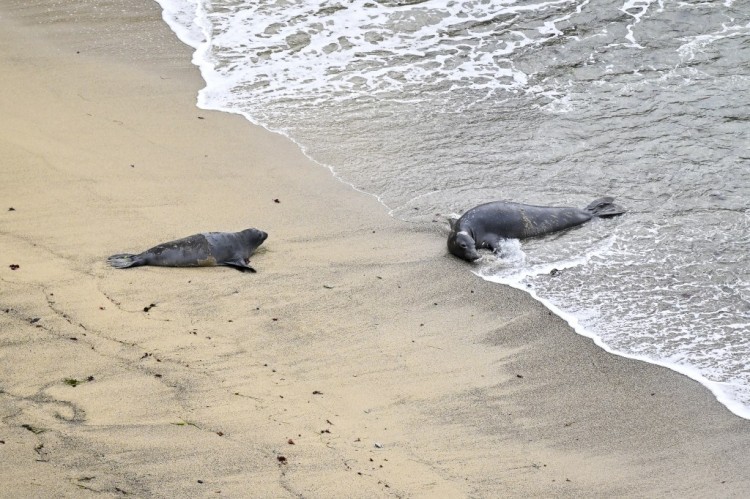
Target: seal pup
{"x": 484, "y": 226}
{"x": 207, "y": 249}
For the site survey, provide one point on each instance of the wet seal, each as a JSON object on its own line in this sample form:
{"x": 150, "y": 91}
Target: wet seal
{"x": 484, "y": 226}
{"x": 207, "y": 249}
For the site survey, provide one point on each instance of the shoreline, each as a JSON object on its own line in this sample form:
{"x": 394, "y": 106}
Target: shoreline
{"x": 361, "y": 353}
{"x": 690, "y": 372}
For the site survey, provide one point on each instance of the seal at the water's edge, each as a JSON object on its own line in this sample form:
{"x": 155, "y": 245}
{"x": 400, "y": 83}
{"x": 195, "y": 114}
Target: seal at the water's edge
{"x": 207, "y": 249}
{"x": 484, "y": 226}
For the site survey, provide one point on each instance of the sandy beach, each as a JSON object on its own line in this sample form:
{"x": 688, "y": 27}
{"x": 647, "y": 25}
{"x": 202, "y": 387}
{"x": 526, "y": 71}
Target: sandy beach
{"x": 361, "y": 360}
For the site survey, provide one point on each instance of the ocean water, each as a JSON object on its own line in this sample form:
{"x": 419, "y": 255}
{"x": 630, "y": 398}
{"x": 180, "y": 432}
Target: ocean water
{"x": 435, "y": 106}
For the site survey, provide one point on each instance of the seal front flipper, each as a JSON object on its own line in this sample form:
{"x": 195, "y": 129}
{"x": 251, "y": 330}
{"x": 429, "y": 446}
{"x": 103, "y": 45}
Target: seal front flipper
{"x": 125, "y": 260}
{"x": 491, "y": 242}
{"x": 240, "y": 265}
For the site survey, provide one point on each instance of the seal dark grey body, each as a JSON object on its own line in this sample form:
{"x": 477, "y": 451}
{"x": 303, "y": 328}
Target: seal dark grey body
{"x": 484, "y": 226}
{"x": 207, "y": 249}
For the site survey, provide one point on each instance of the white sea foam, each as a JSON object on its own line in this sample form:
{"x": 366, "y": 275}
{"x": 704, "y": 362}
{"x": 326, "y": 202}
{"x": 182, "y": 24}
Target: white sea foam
{"x": 180, "y": 15}
{"x": 311, "y": 49}
{"x": 699, "y": 43}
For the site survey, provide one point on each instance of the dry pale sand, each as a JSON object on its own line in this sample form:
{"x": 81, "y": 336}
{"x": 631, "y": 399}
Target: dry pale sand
{"x": 360, "y": 361}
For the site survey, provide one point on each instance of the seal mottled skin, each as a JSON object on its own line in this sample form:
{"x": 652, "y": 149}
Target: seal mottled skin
{"x": 232, "y": 249}
{"x": 484, "y": 226}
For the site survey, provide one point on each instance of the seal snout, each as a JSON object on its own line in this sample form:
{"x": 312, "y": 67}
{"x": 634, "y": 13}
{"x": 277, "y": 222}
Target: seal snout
{"x": 470, "y": 255}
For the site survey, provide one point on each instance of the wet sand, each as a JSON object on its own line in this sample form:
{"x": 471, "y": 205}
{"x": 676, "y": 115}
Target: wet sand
{"x": 360, "y": 361}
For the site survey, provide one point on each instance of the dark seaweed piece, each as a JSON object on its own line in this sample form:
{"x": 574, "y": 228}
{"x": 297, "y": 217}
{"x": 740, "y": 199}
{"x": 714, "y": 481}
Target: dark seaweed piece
{"x": 33, "y": 429}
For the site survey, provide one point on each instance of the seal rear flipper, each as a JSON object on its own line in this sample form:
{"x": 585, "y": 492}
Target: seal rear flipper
{"x": 605, "y": 207}
{"x": 240, "y": 265}
{"x": 125, "y": 260}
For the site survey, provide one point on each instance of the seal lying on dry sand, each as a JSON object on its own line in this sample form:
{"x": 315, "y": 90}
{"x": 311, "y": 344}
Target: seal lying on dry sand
{"x": 484, "y": 226}
{"x": 207, "y": 249}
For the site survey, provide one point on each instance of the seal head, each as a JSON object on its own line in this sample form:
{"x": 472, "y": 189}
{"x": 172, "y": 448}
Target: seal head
{"x": 462, "y": 245}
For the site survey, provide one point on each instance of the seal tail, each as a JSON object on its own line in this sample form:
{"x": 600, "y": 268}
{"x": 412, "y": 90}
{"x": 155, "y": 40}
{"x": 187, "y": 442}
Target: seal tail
{"x": 125, "y": 260}
{"x": 605, "y": 207}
